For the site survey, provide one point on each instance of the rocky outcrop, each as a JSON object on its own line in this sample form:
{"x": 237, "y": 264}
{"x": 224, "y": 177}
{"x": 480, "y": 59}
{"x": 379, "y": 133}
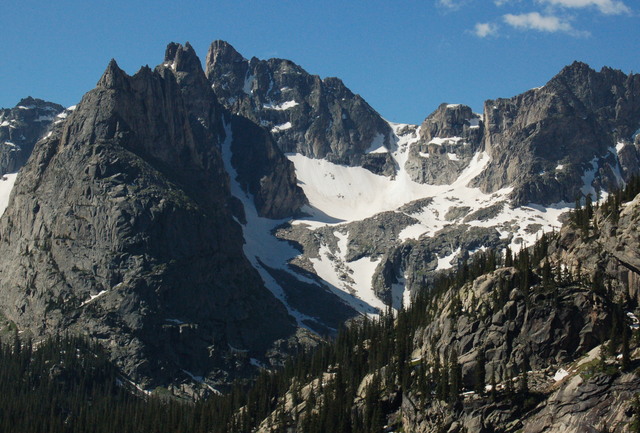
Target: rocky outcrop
{"x": 452, "y": 120}
{"x": 548, "y": 142}
{"x": 521, "y": 331}
{"x": 21, "y": 127}
{"x": 403, "y": 262}
{"x": 620, "y": 238}
{"x": 449, "y": 138}
{"x": 264, "y": 172}
{"x": 599, "y": 403}
{"x": 120, "y": 226}
{"x": 416, "y": 263}
{"x": 319, "y": 118}
{"x": 576, "y": 405}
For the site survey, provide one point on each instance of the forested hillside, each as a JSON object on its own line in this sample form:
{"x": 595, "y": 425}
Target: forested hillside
{"x": 494, "y": 346}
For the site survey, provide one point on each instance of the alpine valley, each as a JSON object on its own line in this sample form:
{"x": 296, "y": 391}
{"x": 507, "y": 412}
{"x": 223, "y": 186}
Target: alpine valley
{"x": 246, "y": 247}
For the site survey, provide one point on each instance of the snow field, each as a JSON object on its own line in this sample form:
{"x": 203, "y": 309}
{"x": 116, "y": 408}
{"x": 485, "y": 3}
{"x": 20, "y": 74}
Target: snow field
{"x": 6, "y": 185}
{"x": 338, "y": 194}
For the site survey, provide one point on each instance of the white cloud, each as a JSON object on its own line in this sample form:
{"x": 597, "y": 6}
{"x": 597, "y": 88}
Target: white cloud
{"x": 607, "y": 7}
{"x": 542, "y": 23}
{"x": 482, "y": 30}
{"x": 453, "y": 5}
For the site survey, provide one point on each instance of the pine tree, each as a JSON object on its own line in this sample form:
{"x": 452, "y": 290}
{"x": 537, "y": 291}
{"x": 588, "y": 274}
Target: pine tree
{"x": 508, "y": 258}
{"x": 455, "y": 378}
{"x": 634, "y": 427}
{"x": 480, "y": 372}
{"x": 509, "y": 384}
{"x": 626, "y": 356}
{"x": 494, "y": 385}
{"x": 524, "y": 382}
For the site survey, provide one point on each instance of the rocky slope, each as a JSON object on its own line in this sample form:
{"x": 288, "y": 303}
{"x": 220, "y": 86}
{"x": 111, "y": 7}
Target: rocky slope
{"x": 122, "y": 226}
{"x": 319, "y": 118}
{"x": 163, "y": 217}
{"x": 562, "y": 140}
{"x": 529, "y": 343}
{"x": 21, "y": 127}
{"x": 563, "y": 337}
{"x": 449, "y": 139}
{"x": 503, "y": 177}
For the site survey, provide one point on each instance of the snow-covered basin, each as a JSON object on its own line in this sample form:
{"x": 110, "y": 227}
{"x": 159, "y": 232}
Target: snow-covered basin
{"x": 6, "y": 185}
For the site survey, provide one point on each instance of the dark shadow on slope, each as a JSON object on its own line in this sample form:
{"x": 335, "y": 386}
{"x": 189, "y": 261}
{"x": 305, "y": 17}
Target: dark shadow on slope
{"x": 313, "y": 300}
{"x": 313, "y": 214}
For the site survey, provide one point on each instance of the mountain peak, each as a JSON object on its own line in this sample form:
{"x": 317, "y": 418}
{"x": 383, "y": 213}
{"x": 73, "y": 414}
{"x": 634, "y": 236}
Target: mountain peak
{"x": 113, "y": 77}
{"x": 182, "y": 58}
{"x": 576, "y": 69}
{"x": 222, "y": 51}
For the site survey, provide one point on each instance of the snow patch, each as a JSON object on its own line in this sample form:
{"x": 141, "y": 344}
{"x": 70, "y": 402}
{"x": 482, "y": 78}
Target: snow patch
{"x": 377, "y": 145}
{"x": 6, "y": 185}
{"x": 400, "y": 296}
{"x": 413, "y": 231}
{"x": 560, "y": 374}
{"x": 635, "y": 323}
{"x": 446, "y": 262}
{"x": 445, "y": 140}
{"x": 353, "y": 278}
{"x": 248, "y": 84}
{"x": 588, "y": 177}
{"x": 93, "y": 298}
{"x": 279, "y": 128}
{"x": 281, "y": 107}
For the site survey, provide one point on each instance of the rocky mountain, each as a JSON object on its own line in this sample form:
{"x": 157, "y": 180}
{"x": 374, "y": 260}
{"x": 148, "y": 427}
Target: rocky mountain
{"x": 122, "y": 226}
{"x": 573, "y": 136}
{"x": 545, "y": 340}
{"x": 449, "y": 139}
{"x": 21, "y": 127}
{"x": 319, "y": 118}
{"x": 202, "y": 221}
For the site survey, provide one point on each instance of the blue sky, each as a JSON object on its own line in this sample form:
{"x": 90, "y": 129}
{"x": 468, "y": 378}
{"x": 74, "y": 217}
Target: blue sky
{"x": 403, "y": 57}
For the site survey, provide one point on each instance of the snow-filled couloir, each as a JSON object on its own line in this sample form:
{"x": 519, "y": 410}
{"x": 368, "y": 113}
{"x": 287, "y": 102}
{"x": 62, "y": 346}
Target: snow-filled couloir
{"x": 344, "y": 201}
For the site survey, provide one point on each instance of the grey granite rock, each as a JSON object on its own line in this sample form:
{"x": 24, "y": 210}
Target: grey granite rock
{"x": 319, "y": 118}
{"x": 120, "y": 227}
{"x": 21, "y": 127}
{"x": 543, "y": 141}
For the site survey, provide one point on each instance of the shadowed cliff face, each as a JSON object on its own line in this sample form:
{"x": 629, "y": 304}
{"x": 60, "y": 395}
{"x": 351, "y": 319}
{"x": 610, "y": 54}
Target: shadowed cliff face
{"x": 319, "y": 118}
{"x": 21, "y": 127}
{"x": 120, "y": 227}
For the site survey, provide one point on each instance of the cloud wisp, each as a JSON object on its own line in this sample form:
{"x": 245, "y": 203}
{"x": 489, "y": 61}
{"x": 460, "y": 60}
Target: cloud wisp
{"x": 452, "y": 5}
{"x": 483, "y": 30}
{"x": 606, "y": 7}
{"x": 544, "y": 16}
{"x": 541, "y": 23}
